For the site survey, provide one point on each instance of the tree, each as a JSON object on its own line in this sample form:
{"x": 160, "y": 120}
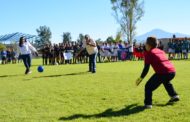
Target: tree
{"x": 44, "y": 34}
{"x": 110, "y": 39}
{"x": 127, "y": 14}
{"x": 99, "y": 40}
{"x": 2, "y": 47}
{"x": 80, "y": 38}
{"x": 67, "y": 37}
{"x": 118, "y": 37}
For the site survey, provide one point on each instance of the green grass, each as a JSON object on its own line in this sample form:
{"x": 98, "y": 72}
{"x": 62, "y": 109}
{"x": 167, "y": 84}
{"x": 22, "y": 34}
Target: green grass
{"x": 69, "y": 93}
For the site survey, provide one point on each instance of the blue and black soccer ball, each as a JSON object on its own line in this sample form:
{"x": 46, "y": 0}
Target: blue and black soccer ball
{"x": 40, "y": 68}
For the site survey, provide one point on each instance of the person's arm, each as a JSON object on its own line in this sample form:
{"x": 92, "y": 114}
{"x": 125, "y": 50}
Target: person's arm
{"x": 145, "y": 70}
{"x": 91, "y": 43}
{"x": 143, "y": 74}
{"x": 82, "y": 48}
{"x": 79, "y": 52}
{"x": 32, "y": 48}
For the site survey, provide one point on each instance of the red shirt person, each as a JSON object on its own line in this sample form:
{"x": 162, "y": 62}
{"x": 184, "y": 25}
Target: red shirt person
{"x": 164, "y": 72}
{"x": 159, "y": 62}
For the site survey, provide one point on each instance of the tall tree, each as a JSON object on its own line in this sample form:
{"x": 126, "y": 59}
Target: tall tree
{"x": 44, "y": 34}
{"x": 80, "y": 38}
{"x": 118, "y": 37}
{"x": 67, "y": 37}
{"x": 127, "y": 14}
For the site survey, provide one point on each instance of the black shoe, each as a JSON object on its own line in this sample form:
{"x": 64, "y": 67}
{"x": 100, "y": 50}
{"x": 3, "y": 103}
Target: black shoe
{"x": 29, "y": 72}
{"x": 93, "y": 71}
{"x": 26, "y": 72}
{"x": 174, "y": 99}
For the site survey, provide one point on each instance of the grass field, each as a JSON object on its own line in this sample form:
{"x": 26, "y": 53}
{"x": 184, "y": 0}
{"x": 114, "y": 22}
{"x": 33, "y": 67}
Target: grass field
{"x": 69, "y": 93}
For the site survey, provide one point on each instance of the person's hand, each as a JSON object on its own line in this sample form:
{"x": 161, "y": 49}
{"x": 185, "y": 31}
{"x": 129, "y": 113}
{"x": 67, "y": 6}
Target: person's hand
{"x": 138, "y": 81}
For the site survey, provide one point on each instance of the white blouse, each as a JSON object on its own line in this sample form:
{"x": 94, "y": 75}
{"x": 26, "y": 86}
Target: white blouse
{"x": 27, "y": 48}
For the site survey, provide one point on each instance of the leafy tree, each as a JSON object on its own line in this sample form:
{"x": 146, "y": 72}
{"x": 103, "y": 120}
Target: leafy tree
{"x": 118, "y": 37}
{"x": 67, "y": 37}
{"x": 127, "y": 14}
{"x": 110, "y": 39}
{"x": 2, "y": 47}
{"x": 44, "y": 34}
{"x": 99, "y": 40}
{"x": 80, "y": 38}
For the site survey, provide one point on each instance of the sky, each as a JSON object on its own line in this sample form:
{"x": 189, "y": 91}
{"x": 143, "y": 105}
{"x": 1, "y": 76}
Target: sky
{"x": 93, "y": 17}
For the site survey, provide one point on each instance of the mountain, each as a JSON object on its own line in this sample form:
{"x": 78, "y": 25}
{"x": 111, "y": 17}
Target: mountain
{"x": 159, "y": 34}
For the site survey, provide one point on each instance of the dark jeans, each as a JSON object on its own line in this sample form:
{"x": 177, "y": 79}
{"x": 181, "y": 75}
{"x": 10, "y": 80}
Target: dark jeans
{"x": 130, "y": 56}
{"x": 27, "y": 61}
{"x": 92, "y": 62}
{"x": 45, "y": 59}
{"x": 99, "y": 57}
{"x": 154, "y": 82}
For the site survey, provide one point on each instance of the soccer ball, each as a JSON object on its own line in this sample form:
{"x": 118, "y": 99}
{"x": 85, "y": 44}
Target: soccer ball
{"x": 40, "y": 68}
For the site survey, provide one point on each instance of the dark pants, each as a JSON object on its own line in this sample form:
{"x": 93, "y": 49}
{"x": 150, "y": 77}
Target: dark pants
{"x": 130, "y": 55}
{"x": 27, "y": 61}
{"x": 154, "y": 82}
{"x": 45, "y": 59}
{"x": 92, "y": 62}
{"x": 99, "y": 58}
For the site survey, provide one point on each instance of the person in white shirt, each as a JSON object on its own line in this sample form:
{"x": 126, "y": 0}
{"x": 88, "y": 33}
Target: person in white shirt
{"x": 115, "y": 51}
{"x": 131, "y": 50}
{"x": 92, "y": 50}
{"x": 102, "y": 52}
{"x": 107, "y": 51}
{"x": 25, "y": 50}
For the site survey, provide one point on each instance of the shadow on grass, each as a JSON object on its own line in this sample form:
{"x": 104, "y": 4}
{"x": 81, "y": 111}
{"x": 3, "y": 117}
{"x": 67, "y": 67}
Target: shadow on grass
{"x": 5, "y": 76}
{"x": 128, "y": 110}
{"x": 70, "y": 74}
{"x": 167, "y": 104}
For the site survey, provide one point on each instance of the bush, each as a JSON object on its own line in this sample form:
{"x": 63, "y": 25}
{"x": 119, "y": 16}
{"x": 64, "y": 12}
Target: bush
{"x": 2, "y": 47}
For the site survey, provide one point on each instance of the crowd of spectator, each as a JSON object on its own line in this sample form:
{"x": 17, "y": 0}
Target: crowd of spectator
{"x": 65, "y": 53}
{"x": 178, "y": 48}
